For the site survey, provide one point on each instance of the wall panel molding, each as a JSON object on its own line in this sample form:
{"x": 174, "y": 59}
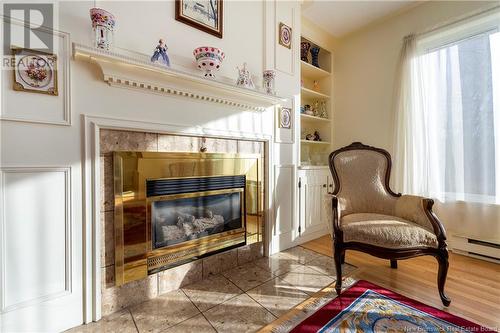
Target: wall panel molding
{"x": 280, "y": 52}
{"x": 51, "y": 110}
{"x": 51, "y": 203}
{"x": 287, "y": 185}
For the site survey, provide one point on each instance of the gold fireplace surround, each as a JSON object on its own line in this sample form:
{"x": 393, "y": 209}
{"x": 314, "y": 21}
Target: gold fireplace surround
{"x": 135, "y": 256}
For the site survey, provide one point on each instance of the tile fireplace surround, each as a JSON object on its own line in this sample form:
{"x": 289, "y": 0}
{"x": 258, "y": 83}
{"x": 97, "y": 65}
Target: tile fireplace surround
{"x": 116, "y": 298}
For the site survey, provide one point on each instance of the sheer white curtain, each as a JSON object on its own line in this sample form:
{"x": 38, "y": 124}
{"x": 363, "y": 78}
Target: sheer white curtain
{"x": 447, "y": 136}
{"x": 410, "y": 142}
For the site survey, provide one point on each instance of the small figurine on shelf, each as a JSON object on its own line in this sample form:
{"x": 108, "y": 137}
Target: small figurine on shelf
{"x": 310, "y": 137}
{"x": 302, "y": 109}
{"x": 315, "y": 109}
{"x": 316, "y": 136}
{"x": 322, "y": 110}
{"x": 315, "y": 85}
{"x": 161, "y": 54}
{"x": 307, "y": 110}
{"x": 244, "y": 78}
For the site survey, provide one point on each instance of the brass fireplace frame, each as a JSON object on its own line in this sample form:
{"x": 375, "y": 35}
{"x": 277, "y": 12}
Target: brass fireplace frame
{"x": 135, "y": 257}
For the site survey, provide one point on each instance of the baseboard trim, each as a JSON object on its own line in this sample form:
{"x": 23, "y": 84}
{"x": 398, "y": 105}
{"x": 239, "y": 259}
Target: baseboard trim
{"x": 474, "y": 247}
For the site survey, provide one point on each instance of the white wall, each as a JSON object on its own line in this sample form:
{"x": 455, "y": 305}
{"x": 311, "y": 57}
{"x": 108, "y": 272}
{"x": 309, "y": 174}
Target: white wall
{"x": 249, "y": 36}
{"x": 365, "y": 66}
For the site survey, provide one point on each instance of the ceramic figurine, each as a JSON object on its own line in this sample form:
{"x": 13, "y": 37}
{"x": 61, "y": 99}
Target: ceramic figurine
{"x": 314, "y": 56}
{"x": 307, "y": 110}
{"x": 315, "y": 85}
{"x": 103, "y": 26}
{"x": 302, "y": 109}
{"x": 315, "y": 108}
{"x": 304, "y": 50}
{"x": 161, "y": 54}
{"x": 268, "y": 78}
{"x": 310, "y": 137}
{"x": 244, "y": 78}
{"x": 316, "y": 136}
{"x": 322, "y": 110}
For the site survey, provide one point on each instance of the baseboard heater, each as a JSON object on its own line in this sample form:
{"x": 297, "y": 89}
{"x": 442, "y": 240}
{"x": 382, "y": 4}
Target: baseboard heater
{"x": 477, "y": 248}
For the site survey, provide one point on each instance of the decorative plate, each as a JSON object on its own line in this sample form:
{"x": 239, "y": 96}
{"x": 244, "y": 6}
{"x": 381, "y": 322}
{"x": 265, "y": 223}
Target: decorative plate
{"x": 285, "y": 118}
{"x": 35, "y": 71}
{"x": 285, "y": 35}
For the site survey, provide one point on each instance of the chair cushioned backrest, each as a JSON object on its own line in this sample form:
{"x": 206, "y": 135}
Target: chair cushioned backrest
{"x": 362, "y": 189}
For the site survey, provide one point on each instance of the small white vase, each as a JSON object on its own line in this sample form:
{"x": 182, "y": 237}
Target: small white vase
{"x": 268, "y": 79}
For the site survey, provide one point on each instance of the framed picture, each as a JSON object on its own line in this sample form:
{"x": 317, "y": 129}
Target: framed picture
{"x": 205, "y": 15}
{"x": 35, "y": 71}
{"x": 284, "y": 121}
{"x": 285, "y": 118}
{"x": 285, "y": 35}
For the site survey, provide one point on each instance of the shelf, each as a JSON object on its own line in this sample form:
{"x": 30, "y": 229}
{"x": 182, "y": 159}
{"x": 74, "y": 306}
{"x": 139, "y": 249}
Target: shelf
{"x": 315, "y": 142}
{"x": 312, "y": 94}
{"x": 312, "y": 72}
{"x": 314, "y": 118}
{"x": 313, "y": 167}
{"x": 135, "y": 71}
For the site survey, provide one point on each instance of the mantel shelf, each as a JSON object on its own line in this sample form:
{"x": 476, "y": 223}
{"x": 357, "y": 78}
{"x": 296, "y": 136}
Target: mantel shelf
{"x": 137, "y": 72}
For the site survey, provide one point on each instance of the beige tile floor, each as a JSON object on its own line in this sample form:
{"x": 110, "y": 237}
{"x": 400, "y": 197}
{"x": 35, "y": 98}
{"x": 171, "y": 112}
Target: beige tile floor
{"x": 243, "y": 299}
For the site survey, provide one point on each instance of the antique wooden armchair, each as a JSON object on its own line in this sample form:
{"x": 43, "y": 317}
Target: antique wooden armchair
{"x": 369, "y": 217}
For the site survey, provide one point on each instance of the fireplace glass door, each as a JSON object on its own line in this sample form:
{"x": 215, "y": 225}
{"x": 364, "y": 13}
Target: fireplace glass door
{"x": 183, "y": 217}
{"x": 171, "y": 208}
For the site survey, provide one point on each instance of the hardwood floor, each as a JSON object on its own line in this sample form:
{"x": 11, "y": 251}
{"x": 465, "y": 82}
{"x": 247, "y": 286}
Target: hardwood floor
{"x": 473, "y": 285}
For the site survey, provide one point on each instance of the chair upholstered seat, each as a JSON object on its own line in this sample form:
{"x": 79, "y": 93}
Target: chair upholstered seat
{"x": 385, "y": 231}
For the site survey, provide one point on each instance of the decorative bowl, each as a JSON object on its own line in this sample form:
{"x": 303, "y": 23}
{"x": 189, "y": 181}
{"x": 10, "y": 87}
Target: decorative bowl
{"x": 101, "y": 17}
{"x": 208, "y": 59}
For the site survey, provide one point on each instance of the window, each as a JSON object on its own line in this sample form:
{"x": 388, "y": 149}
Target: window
{"x": 457, "y": 78}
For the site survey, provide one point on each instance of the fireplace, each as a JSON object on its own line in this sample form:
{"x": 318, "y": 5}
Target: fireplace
{"x": 174, "y": 207}
{"x": 185, "y": 209}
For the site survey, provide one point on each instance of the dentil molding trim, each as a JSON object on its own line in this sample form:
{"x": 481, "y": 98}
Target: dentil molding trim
{"x": 135, "y": 71}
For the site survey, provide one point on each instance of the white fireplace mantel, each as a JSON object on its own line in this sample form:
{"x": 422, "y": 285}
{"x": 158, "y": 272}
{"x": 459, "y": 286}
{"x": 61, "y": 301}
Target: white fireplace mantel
{"x": 135, "y": 71}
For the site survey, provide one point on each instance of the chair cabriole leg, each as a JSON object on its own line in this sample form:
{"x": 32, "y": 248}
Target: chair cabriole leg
{"x": 338, "y": 254}
{"x": 442, "y": 258}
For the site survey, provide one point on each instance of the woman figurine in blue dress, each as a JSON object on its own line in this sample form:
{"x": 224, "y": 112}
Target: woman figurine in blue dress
{"x": 161, "y": 53}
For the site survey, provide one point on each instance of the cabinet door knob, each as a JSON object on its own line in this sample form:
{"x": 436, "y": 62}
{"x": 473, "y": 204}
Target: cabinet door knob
{"x": 324, "y": 185}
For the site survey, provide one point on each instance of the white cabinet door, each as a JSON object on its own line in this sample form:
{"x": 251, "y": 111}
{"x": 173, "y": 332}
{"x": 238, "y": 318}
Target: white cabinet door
{"x": 313, "y": 185}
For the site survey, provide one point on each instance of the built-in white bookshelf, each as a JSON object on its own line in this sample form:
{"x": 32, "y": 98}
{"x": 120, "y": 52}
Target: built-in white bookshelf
{"x": 316, "y": 88}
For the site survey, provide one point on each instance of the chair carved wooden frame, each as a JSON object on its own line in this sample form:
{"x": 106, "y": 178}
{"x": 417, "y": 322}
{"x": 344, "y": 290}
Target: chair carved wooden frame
{"x": 421, "y": 213}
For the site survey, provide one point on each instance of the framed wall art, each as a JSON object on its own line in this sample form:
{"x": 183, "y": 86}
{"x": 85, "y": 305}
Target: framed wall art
{"x": 285, "y": 118}
{"x": 205, "y": 15}
{"x": 284, "y": 128}
{"x": 285, "y": 35}
{"x": 35, "y": 71}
